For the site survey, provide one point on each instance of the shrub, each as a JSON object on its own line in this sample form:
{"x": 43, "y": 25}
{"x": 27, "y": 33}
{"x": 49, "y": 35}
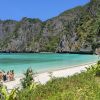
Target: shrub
{"x": 28, "y": 79}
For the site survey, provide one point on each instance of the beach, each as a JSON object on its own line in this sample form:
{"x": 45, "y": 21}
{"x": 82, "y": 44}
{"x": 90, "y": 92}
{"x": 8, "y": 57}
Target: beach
{"x": 45, "y": 76}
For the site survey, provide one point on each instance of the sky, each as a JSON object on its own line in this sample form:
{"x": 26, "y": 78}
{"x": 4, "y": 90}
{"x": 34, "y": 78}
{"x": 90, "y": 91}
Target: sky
{"x": 42, "y": 9}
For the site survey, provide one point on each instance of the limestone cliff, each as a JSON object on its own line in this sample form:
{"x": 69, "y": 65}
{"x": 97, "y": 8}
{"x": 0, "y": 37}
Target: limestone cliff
{"x": 75, "y": 30}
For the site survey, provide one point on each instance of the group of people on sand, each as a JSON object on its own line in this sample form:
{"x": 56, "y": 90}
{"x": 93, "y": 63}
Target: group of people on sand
{"x": 9, "y": 76}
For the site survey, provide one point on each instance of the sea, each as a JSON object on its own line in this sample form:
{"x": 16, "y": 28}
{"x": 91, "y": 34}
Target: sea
{"x": 41, "y": 62}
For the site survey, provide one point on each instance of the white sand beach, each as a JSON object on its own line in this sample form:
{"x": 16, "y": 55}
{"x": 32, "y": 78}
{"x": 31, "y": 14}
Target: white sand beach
{"x": 45, "y": 76}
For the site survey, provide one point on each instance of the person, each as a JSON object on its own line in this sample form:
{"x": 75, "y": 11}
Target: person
{"x": 1, "y": 75}
{"x": 8, "y": 79}
{"x": 12, "y": 74}
{"x": 4, "y": 77}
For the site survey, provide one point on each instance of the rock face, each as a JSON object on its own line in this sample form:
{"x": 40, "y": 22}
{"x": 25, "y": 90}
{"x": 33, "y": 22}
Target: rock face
{"x": 75, "y": 30}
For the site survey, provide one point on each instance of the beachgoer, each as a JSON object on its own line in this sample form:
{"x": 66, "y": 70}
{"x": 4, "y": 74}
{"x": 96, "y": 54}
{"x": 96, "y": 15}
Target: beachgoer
{"x": 8, "y": 79}
{"x": 1, "y": 76}
{"x": 4, "y": 77}
{"x": 12, "y": 74}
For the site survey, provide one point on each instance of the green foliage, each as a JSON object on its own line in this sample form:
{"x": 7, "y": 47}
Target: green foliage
{"x": 15, "y": 33}
{"x": 81, "y": 86}
{"x": 4, "y": 95}
{"x": 98, "y": 69}
{"x": 53, "y": 43}
{"x": 94, "y": 69}
{"x": 28, "y": 79}
{"x": 35, "y": 20}
{"x": 13, "y": 94}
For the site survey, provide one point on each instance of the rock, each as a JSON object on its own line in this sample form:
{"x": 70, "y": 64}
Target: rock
{"x": 75, "y": 30}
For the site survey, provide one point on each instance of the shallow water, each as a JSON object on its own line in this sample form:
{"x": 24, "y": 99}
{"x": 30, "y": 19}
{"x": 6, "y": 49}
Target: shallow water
{"x": 19, "y": 62}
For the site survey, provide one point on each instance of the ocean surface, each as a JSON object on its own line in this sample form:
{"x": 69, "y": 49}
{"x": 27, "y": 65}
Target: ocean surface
{"x": 39, "y": 62}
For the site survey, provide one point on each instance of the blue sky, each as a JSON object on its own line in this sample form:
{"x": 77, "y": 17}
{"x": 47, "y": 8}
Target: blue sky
{"x": 43, "y": 9}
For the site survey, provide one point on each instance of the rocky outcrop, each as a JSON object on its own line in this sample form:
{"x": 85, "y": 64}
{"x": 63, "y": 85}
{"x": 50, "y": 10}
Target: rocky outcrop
{"x": 76, "y": 30}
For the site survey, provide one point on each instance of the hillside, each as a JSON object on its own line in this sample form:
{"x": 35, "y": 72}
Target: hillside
{"x": 75, "y": 30}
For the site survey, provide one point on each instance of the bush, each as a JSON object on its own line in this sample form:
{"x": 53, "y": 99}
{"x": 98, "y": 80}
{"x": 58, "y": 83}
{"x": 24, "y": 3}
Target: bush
{"x": 98, "y": 62}
{"x": 28, "y": 79}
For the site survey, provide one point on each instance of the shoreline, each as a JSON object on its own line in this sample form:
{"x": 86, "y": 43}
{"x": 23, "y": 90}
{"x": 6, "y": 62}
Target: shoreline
{"x": 64, "y": 52}
{"x": 56, "y": 69}
{"x": 43, "y": 77}
{"x": 64, "y": 68}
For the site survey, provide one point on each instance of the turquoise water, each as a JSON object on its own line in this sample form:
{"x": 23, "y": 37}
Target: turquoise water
{"x": 42, "y": 62}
